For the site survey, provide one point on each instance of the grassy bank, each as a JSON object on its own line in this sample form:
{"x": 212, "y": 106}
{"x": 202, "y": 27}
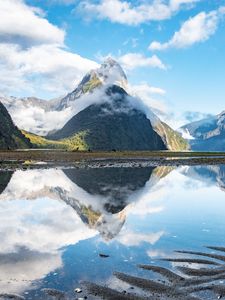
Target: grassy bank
{"x": 70, "y": 157}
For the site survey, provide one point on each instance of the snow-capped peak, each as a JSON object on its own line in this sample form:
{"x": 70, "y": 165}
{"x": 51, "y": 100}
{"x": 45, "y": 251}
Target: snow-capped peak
{"x": 110, "y": 72}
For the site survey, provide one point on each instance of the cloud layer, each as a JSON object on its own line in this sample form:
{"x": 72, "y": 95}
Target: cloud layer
{"x": 21, "y": 22}
{"x": 33, "y": 57}
{"x": 195, "y": 30}
{"x": 46, "y": 67}
{"x": 131, "y": 61}
{"x": 124, "y": 12}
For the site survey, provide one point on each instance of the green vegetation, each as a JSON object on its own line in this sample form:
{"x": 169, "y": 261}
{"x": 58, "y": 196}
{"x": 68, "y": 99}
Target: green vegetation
{"x": 173, "y": 139}
{"x": 92, "y": 84}
{"x": 42, "y": 143}
{"x": 76, "y": 142}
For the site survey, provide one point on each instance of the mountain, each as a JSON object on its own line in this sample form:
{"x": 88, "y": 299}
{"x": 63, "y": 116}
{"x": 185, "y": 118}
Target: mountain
{"x": 41, "y": 117}
{"x": 98, "y": 114}
{"x": 10, "y": 136}
{"x": 208, "y": 134}
{"x": 109, "y": 73}
{"x": 27, "y": 102}
{"x": 114, "y": 119}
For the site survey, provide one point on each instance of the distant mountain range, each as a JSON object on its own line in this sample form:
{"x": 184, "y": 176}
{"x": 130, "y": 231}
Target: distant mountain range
{"x": 208, "y": 134}
{"x": 99, "y": 115}
{"x": 10, "y": 136}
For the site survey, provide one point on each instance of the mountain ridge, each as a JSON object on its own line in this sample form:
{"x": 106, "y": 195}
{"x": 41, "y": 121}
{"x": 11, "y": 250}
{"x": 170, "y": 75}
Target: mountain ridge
{"x": 207, "y": 134}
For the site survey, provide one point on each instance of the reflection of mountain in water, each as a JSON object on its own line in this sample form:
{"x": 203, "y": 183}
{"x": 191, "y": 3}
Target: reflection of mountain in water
{"x": 43, "y": 211}
{"x": 99, "y": 196}
{"x": 114, "y": 184}
{"x": 210, "y": 174}
{"x": 114, "y": 189}
{"x": 4, "y": 180}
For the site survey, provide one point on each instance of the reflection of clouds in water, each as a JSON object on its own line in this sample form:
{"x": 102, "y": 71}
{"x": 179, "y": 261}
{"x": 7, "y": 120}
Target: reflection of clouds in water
{"x": 153, "y": 253}
{"x": 32, "y": 184}
{"x": 131, "y": 238}
{"x": 181, "y": 178}
{"x": 51, "y": 183}
{"x": 207, "y": 175}
{"x": 44, "y": 225}
{"x": 41, "y": 227}
{"x": 144, "y": 200}
{"x": 19, "y": 270}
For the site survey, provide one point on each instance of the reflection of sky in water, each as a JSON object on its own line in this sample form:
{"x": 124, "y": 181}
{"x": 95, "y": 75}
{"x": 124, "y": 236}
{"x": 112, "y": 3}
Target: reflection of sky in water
{"x": 51, "y": 220}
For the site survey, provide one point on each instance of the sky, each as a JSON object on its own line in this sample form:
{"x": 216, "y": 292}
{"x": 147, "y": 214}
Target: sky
{"x": 171, "y": 50}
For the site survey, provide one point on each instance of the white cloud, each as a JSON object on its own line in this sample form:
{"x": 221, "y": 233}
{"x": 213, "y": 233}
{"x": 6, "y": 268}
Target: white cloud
{"x": 148, "y": 95}
{"x": 33, "y": 58}
{"x": 43, "y": 67}
{"x": 131, "y": 61}
{"x": 176, "y": 4}
{"x": 65, "y": 2}
{"x": 123, "y": 12}
{"x": 196, "y": 29}
{"x": 36, "y": 119}
{"x": 18, "y": 274}
{"x": 20, "y": 21}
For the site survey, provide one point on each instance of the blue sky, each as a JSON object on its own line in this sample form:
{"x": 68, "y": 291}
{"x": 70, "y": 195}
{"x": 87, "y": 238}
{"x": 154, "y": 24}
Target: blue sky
{"x": 189, "y": 69}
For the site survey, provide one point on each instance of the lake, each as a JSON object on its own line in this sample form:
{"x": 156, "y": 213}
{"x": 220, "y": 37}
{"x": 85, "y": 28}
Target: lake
{"x": 62, "y": 227}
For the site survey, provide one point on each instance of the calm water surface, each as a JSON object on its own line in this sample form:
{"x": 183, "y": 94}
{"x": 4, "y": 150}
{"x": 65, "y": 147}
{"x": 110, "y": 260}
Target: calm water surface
{"x": 56, "y": 222}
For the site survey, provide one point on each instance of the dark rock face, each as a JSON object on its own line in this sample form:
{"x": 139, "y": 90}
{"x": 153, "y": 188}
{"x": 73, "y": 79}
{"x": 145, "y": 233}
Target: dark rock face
{"x": 209, "y": 133}
{"x": 113, "y": 124}
{"x": 10, "y": 136}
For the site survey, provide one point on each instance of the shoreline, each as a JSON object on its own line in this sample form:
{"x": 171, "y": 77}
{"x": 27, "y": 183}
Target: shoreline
{"x": 13, "y": 160}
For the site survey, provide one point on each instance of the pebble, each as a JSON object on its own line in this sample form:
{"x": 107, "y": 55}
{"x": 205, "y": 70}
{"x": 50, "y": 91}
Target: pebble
{"x": 103, "y": 255}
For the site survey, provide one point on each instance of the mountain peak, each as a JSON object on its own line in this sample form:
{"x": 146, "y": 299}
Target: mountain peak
{"x": 110, "y": 72}
{"x": 109, "y": 62}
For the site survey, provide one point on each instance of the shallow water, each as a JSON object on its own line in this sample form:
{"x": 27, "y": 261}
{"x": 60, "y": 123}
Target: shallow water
{"x": 56, "y": 222}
